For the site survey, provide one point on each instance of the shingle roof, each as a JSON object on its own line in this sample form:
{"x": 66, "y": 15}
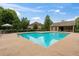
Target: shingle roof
{"x": 35, "y": 23}
{"x": 64, "y": 23}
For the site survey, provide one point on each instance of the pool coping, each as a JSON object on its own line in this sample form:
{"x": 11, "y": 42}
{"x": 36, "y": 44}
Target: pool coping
{"x": 43, "y": 32}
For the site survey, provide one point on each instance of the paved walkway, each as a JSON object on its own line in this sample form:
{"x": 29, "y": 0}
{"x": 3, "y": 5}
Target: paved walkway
{"x": 11, "y": 44}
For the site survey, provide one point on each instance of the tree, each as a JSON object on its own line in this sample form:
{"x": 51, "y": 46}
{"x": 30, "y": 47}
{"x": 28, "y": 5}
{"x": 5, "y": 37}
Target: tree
{"x": 47, "y": 23}
{"x": 17, "y": 24}
{"x": 24, "y": 23}
{"x": 9, "y": 16}
{"x": 42, "y": 27}
{"x": 77, "y": 24}
{"x": 1, "y": 12}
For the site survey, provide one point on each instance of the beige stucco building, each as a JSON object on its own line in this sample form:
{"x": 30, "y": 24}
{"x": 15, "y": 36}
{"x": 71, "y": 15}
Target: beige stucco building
{"x": 37, "y": 23}
{"x": 67, "y": 26}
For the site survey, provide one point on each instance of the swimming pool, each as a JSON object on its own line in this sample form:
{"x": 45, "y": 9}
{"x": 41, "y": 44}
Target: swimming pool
{"x": 45, "y": 39}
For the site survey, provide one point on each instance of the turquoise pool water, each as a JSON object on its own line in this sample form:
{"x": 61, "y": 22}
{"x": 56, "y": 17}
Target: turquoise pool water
{"x": 45, "y": 39}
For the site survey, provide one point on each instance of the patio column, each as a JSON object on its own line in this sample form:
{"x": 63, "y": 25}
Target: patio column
{"x": 51, "y": 28}
{"x": 73, "y": 28}
{"x": 57, "y": 28}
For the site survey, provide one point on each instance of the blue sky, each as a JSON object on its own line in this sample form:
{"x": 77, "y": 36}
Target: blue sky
{"x": 38, "y": 11}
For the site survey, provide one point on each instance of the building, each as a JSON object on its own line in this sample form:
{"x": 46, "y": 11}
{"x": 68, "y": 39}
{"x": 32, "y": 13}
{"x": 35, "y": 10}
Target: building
{"x": 67, "y": 26}
{"x": 36, "y": 23}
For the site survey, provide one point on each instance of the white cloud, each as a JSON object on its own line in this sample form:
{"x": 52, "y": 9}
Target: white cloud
{"x": 61, "y": 7}
{"x": 72, "y": 19}
{"x": 58, "y": 11}
{"x": 20, "y": 8}
{"x": 51, "y": 10}
{"x": 63, "y": 13}
{"x": 54, "y": 10}
{"x": 39, "y": 7}
{"x": 18, "y": 13}
{"x": 36, "y": 19}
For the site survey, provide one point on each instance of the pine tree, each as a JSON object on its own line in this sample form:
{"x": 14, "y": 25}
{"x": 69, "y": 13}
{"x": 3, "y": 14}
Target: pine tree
{"x": 47, "y": 23}
{"x": 77, "y": 24}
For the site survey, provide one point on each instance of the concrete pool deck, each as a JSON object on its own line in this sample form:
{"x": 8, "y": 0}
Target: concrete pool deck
{"x": 12, "y": 45}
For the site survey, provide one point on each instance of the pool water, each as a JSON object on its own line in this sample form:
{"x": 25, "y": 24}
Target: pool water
{"x": 45, "y": 39}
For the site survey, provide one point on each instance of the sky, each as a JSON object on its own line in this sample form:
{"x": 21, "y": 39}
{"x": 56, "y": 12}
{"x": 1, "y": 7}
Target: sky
{"x": 36, "y": 12}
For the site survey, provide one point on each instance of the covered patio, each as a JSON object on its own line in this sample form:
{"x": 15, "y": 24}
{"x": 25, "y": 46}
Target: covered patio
{"x": 67, "y": 26}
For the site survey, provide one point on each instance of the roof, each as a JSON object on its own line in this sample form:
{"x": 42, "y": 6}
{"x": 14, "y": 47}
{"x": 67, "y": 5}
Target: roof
{"x": 36, "y": 23}
{"x": 64, "y": 23}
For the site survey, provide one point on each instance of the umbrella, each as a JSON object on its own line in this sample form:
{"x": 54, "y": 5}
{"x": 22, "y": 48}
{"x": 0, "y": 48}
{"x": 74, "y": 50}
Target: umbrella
{"x": 6, "y": 25}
